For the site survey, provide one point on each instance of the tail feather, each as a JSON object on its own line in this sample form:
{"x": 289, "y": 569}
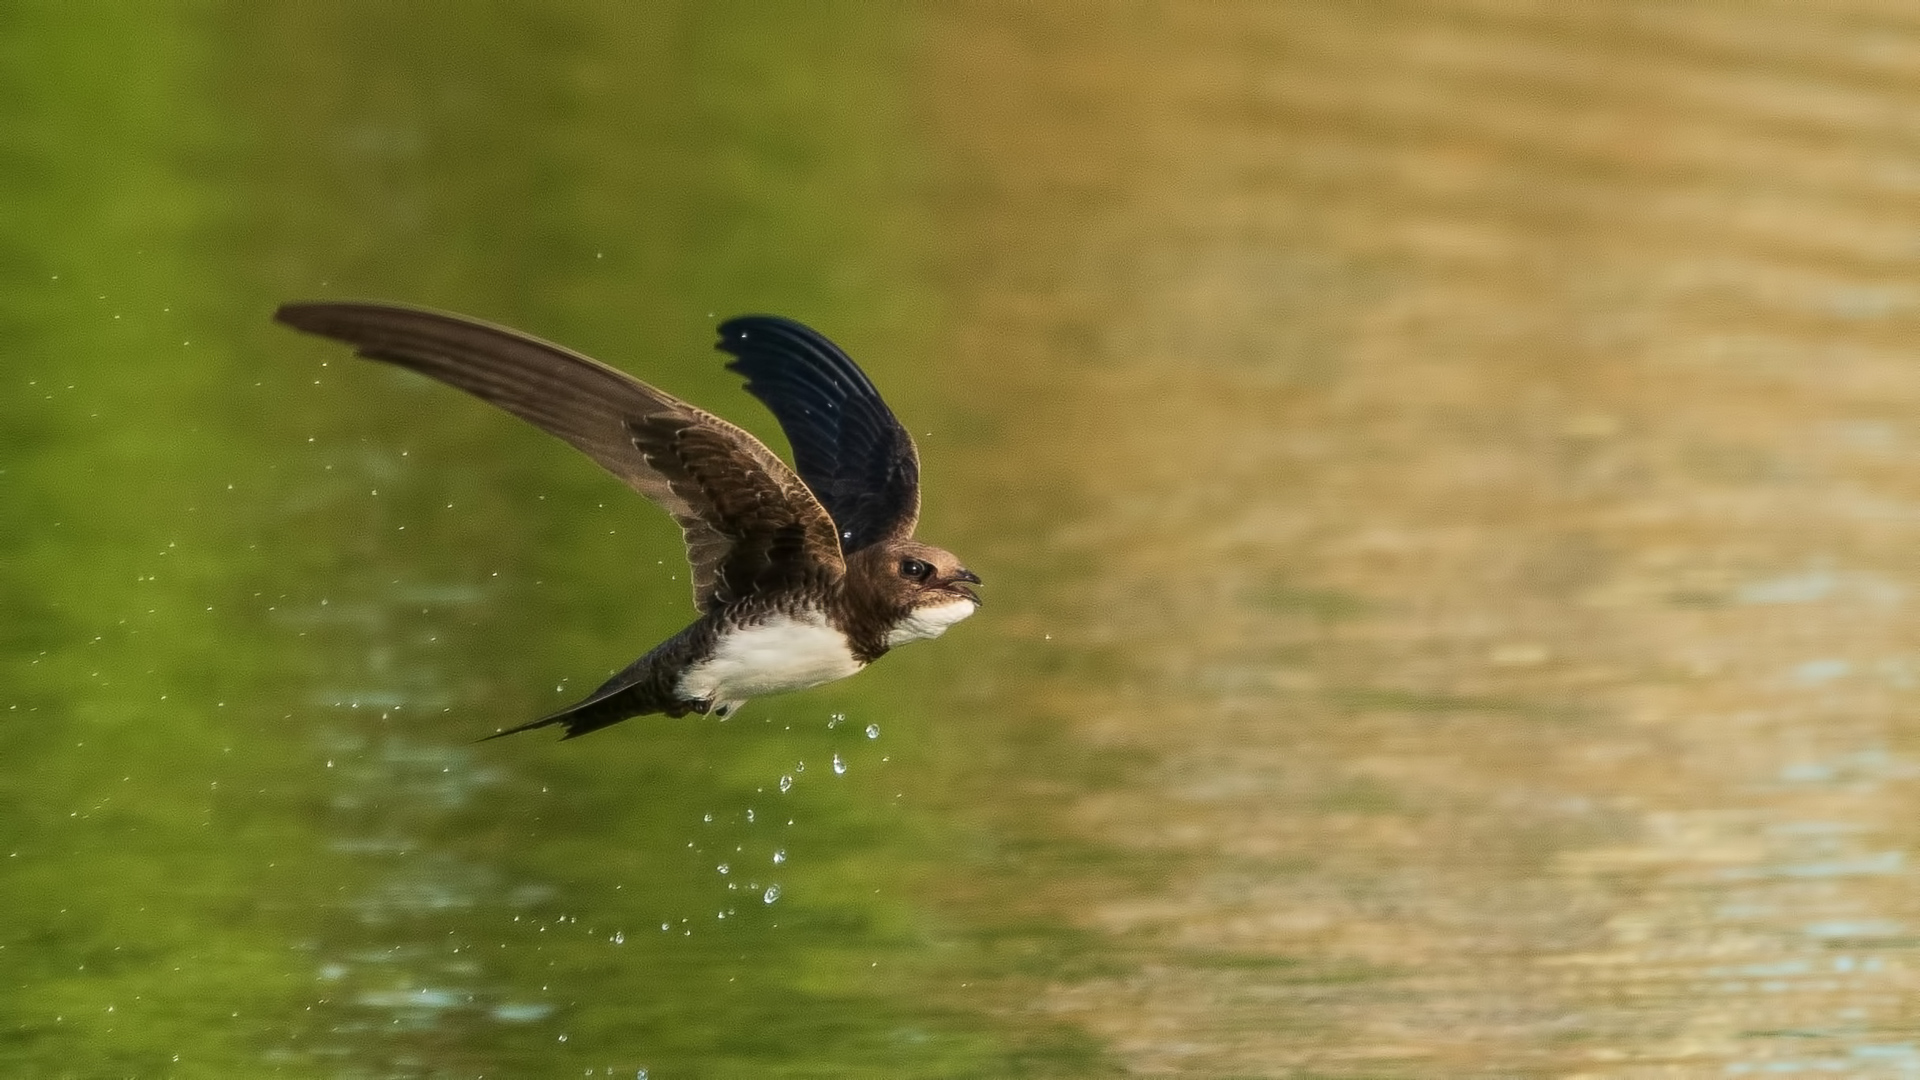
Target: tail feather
{"x": 645, "y": 686}
{"x": 600, "y": 711}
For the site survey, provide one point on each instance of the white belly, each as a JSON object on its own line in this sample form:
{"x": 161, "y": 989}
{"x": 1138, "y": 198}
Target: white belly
{"x": 778, "y": 655}
{"x": 929, "y": 622}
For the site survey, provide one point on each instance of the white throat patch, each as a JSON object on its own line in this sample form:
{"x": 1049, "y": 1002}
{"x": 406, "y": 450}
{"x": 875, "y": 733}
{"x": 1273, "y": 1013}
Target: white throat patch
{"x": 929, "y": 622}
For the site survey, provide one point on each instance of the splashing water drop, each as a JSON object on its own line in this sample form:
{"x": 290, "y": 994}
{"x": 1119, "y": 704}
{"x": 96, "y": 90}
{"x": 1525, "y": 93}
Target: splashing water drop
{"x": 873, "y": 731}
{"x": 619, "y": 937}
{"x": 780, "y": 856}
{"x": 839, "y": 767}
{"x": 724, "y": 868}
{"x": 785, "y": 783}
{"x": 772, "y": 894}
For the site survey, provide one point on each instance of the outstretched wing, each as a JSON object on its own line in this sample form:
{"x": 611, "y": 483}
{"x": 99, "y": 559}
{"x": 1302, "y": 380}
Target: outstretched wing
{"x": 856, "y": 457}
{"x": 751, "y": 525}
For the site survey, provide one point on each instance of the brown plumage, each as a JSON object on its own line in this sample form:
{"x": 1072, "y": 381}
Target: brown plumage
{"x": 798, "y": 582}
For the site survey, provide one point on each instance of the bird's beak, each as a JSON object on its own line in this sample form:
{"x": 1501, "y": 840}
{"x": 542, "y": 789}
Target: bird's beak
{"x": 965, "y": 575}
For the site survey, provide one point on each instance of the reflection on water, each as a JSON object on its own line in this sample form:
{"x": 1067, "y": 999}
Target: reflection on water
{"x": 1485, "y": 600}
{"x": 1443, "y": 472}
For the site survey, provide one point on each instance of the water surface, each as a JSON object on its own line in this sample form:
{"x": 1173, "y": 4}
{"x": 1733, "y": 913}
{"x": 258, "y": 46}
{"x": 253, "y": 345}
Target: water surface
{"x": 1442, "y": 473}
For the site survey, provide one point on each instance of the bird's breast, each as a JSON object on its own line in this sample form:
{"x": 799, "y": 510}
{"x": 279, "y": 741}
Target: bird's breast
{"x": 781, "y": 653}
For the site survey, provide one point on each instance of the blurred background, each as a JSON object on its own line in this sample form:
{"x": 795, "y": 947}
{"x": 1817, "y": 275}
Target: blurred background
{"x": 1444, "y": 473}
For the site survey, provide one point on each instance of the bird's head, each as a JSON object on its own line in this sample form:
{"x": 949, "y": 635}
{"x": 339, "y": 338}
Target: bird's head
{"x": 924, "y": 575}
{"x": 920, "y": 588}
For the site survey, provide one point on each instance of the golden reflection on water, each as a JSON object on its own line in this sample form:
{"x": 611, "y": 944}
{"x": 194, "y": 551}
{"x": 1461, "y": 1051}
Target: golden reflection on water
{"x": 1478, "y": 537}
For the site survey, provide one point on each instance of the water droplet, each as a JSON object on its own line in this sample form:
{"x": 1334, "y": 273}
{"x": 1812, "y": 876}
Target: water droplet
{"x": 786, "y": 782}
{"x": 836, "y": 720}
{"x": 873, "y": 731}
{"x": 619, "y": 938}
{"x": 708, "y": 818}
{"x": 723, "y": 868}
{"x": 839, "y": 767}
{"x": 780, "y": 856}
{"x": 666, "y": 926}
{"x": 749, "y": 815}
{"x": 799, "y": 766}
{"x": 772, "y": 894}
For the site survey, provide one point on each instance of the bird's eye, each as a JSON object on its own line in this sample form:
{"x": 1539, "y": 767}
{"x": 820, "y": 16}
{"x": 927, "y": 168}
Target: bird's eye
{"x": 915, "y": 569}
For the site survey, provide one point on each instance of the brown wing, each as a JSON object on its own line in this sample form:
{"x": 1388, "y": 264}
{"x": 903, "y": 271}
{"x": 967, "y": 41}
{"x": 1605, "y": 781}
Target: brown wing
{"x": 751, "y": 525}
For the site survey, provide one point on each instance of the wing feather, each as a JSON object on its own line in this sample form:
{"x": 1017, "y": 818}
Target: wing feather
{"x": 847, "y": 445}
{"x": 750, "y": 524}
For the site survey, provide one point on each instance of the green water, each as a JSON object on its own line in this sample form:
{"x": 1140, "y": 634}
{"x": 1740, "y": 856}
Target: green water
{"x": 259, "y": 599}
{"x": 1444, "y": 476}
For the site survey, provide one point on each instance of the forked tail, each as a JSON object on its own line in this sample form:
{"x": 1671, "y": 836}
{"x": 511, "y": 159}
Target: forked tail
{"x": 646, "y": 686}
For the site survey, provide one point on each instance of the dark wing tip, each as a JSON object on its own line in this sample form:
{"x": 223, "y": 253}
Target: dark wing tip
{"x": 302, "y": 314}
{"x": 740, "y": 327}
{"x": 349, "y": 320}
{"x": 746, "y": 336}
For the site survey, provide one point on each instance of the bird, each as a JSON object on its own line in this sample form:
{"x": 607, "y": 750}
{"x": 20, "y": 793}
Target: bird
{"x": 801, "y": 575}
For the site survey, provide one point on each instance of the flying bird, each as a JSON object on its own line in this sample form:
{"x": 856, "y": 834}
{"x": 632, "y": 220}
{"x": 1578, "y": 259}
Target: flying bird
{"x": 799, "y": 579}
